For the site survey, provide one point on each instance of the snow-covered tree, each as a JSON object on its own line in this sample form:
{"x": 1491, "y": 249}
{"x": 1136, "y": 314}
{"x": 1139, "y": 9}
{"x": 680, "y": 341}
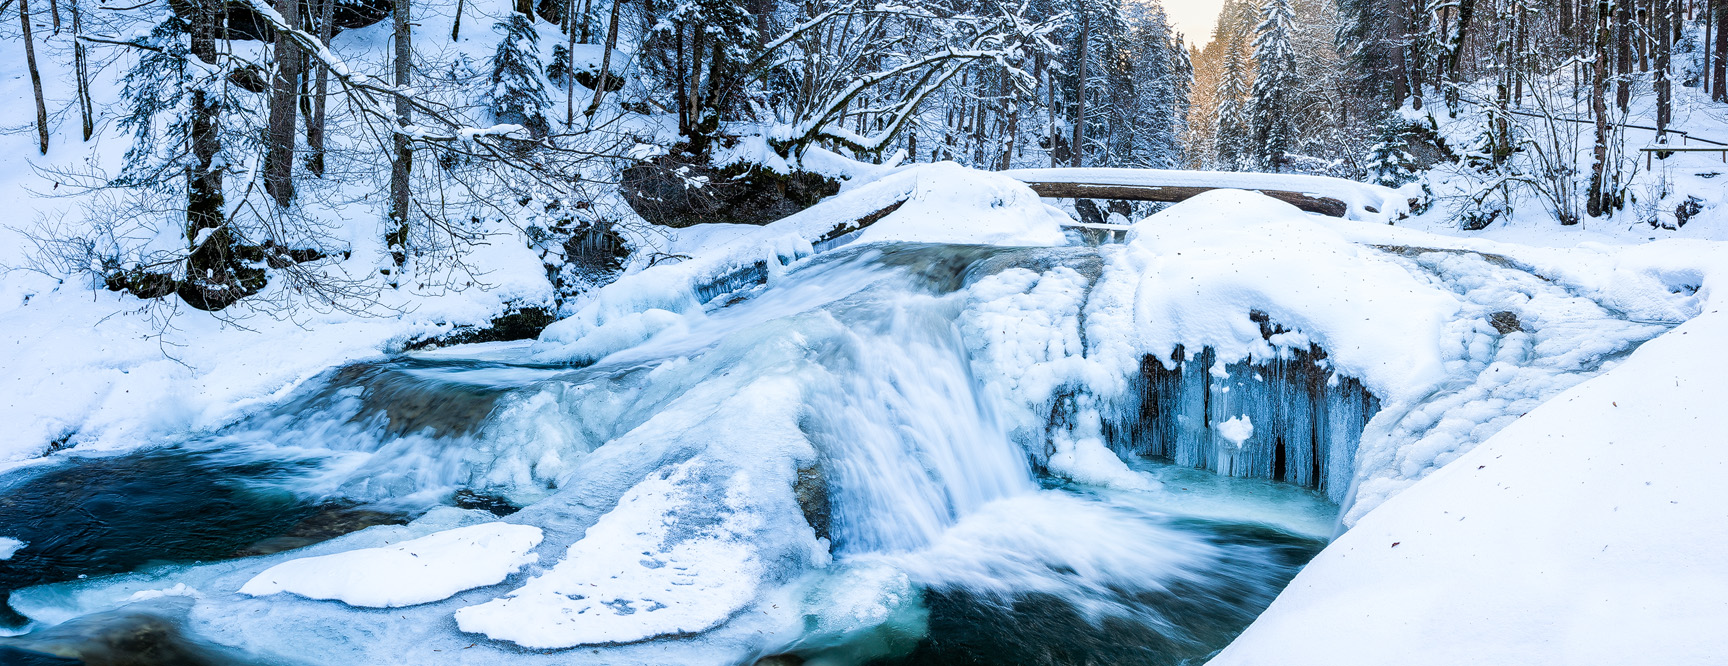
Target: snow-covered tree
{"x": 1274, "y": 76}
{"x": 518, "y": 94}
{"x": 1232, "y": 144}
{"x": 1389, "y": 162}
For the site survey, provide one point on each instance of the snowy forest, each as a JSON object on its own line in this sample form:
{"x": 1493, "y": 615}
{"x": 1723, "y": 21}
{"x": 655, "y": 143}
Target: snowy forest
{"x": 250, "y": 125}
{"x": 863, "y": 333}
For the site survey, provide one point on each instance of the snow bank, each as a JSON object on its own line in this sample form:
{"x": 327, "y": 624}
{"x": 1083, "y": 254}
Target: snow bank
{"x": 418, "y": 571}
{"x": 1587, "y": 532}
{"x": 953, "y": 204}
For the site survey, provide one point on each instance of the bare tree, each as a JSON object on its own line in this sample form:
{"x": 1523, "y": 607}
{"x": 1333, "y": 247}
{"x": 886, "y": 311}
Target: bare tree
{"x": 35, "y": 75}
{"x": 315, "y": 125}
{"x": 403, "y": 164}
{"x": 605, "y": 73}
{"x": 285, "y": 89}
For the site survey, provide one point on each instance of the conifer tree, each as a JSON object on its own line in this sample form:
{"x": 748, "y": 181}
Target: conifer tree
{"x": 1230, "y": 141}
{"x": 518, "y": 82}
{"x": 1389, "y": 161}
{"x": 1275, "y": 75}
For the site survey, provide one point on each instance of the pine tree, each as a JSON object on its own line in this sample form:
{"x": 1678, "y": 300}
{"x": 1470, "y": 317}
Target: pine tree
{"x": 558, "y": 71}
{"x": 1389, "y": 161}
{"x": 518, "y": 83}
{"x": 1231, "y": 142}
{"x": 1162, "y": 77}
{"x": 1275, "y": 75}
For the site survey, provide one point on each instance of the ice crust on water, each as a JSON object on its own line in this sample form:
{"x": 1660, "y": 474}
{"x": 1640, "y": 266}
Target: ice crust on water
{"x": 418, "y": 571}
{"x": 660, "y": 563}
{"x": 9, "y": 547}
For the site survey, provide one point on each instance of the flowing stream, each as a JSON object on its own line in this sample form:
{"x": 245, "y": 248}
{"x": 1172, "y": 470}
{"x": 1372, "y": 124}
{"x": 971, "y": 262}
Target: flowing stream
{"x": 824, "y": 457}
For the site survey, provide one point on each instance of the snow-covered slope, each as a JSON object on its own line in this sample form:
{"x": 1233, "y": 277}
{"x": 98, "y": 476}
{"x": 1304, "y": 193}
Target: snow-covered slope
{"x": 1591, "y": 531}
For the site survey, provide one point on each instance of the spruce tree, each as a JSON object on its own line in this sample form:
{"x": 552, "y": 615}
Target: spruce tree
{"x": 1230, "y": 141}
{"x": 1389, "y": 161}
{"x": 518, "y": 83}
{"x": 1275, "y": 74}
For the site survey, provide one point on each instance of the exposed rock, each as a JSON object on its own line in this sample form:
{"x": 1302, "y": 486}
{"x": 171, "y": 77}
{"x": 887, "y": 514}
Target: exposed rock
{"x": 1687, "y": 210}
{"x": 469, "y": 499}
{"x": 679, "y": 192}
{"x": 518, "y": 323}
{"x": 250, "y": 78}
{"x": 812, "y": 493}
{"x": 1505, "y": 322}
{"x": 118, "y": 638}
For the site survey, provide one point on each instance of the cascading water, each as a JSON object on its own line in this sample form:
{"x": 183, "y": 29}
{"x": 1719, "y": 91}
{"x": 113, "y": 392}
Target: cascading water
{"x": 832, "y": 470}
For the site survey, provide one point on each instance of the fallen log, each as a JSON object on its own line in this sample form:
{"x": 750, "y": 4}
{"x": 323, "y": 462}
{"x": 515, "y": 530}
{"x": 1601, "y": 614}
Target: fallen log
{"x": 1307, "y": 202}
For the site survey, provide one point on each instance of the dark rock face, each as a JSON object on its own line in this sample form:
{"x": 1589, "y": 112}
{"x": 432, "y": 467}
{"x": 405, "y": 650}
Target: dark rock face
{"x": 119, "y": 638}
{"x": 470, "y": 499}
{"x": 1687, "y": 210}
{"x": 812, "y": 493}
{"x": 1505, "y": 322}
{"x": 250, "y": 78}
{"x": 519, "y": 323}
{"x": 241, "y": 23}
{"x": 591, "y": 80}
{"x": 679, "y": 192}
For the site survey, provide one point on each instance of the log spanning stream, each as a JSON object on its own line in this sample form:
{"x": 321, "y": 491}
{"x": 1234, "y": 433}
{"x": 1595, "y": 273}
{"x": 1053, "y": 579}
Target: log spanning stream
{"x": 836, "y": 468}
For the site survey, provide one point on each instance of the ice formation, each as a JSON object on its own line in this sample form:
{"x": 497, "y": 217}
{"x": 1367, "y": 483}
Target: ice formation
{"x": 417, "y": 571}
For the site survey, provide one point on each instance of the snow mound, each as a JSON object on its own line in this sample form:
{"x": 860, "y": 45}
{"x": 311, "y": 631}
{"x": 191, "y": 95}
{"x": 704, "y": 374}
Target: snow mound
{"x": 1208, "y": 263}
{"x": 953, "y": 204}
{"x": 657, "y": 564}
{"x": 418, "y": 571}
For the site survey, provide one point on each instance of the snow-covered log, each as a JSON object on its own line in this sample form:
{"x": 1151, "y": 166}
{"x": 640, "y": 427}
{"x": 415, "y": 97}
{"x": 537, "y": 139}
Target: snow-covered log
{"x": 1333, "y": 197}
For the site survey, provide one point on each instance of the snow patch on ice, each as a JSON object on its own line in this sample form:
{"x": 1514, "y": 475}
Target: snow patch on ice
{"x": 657, "y": 564}
{"x": 418, "y": 571}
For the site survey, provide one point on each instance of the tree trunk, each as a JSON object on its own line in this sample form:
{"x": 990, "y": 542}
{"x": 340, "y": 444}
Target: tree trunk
{"x": 81, "y": 71}
{"x": 321, "y": 93}
{"x": 279, "y": 158}
{"x": 35, "y": 76}
{"x": 1078, "y": 154}
{"x": 1623, "y": 55}
{"x": 456, "y": 27}
{"x": 1455, "y": 53}
{"x": 1719, "y": 68}
{"x": 523, "y": 7}
{"x": 1598, "y": 195}
{"x": 1013, "y": 130}
{"x": 1664, "y": 85}
{"x": 397, "y": 239}
{"x": 605, "y": 61}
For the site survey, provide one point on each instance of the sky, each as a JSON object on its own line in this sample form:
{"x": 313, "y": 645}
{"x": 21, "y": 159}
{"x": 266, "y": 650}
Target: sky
{"x": 1194, "y": 18}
